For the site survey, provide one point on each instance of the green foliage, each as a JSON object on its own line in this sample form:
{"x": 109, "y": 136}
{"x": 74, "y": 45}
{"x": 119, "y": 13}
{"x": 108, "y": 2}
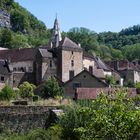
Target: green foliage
{"x": 37, "y": 134}
{"x": 110, "y": 80}
{"x": 6, "y": 38}
{"x": 108, "y": 117}
{"x": 129, "y": 83}
{"x": 137, "y": 85}
{"x": 7, "y": 93}
{"x": 26, "y": 30}
{"x": 52, "y": 88}
{"x": 26, "y": 90}
{"x": 131, "y": 52}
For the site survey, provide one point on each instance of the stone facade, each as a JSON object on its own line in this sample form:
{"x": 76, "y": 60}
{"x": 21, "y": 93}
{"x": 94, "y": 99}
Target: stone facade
{"x": 62, "y": 58}
{"x": 83, "y": 79}
{"x": 71, "y": 61}
{"x": 129, "y": 71}
{"x": 21, "y": 119}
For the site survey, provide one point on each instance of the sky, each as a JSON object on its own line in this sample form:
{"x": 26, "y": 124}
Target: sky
{"x": 96, "y": 15}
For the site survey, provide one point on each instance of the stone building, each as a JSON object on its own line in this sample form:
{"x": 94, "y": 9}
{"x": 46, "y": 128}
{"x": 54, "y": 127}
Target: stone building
{"x": 130, "y": 71}
{"x": 5, "y": 74}
{"x": 62, "y": 58}
{"x": 83, "y": 79}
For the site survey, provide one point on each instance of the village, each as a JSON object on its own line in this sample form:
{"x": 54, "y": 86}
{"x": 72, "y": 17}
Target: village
{"x": 61, "y": 91}
{"x": 68, "y": 63}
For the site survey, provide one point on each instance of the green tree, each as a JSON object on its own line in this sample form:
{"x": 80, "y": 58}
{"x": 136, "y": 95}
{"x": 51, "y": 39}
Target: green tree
{"x": 6, "y": 38}
{"x": 51, "y": 88}
{"x": 7, "y": 93}
{"x": 108, "y": 117}
{"x": 110, "y": 80}
{"x": 26, "y": 90}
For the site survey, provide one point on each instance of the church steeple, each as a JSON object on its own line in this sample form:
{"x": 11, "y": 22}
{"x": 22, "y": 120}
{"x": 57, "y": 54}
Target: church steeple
{"x": 56, "y": 35}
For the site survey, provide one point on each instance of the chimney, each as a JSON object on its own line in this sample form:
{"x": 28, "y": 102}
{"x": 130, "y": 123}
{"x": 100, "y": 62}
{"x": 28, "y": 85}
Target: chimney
{"x": 116, "y": 65}
{"x": 79, "y": 44}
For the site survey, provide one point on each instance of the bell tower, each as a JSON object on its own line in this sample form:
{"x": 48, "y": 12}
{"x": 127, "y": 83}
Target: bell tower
{"x": 56, "y": 35}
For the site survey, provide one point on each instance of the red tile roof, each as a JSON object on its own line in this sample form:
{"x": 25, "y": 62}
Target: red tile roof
{"x": 92, "y": 93}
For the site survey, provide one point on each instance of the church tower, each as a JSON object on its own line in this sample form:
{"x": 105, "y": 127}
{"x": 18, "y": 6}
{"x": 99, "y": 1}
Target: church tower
{"x": 56, "y": 35}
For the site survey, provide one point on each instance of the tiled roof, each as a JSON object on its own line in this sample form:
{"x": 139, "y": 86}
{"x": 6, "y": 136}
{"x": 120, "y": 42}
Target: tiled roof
{"x": 45, "y": 53}
{"x": 17, "y": 55}
{"x": 67, "y": 43}
{"x": 101, "y": 65}
{"x": 89, "y": 74}
{"x": 92, "y": 93}
{"x": 122, "y": 65}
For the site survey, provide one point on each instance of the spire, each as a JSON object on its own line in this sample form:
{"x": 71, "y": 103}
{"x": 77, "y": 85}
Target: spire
{"x": 56, "y": 35}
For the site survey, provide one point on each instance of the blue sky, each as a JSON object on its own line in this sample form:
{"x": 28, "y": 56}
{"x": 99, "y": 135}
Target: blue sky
{"x": 96, "y": 15}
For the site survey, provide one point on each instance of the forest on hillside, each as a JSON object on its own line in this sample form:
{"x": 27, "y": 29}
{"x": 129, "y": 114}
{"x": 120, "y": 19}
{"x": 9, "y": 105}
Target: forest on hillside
{"x": 27, "y": 31}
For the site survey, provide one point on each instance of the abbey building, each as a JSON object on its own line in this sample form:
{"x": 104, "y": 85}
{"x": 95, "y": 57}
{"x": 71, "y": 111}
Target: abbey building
{"x": 61, "y": 58}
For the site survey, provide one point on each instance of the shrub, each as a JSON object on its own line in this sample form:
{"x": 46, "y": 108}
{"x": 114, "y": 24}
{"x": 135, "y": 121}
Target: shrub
{"x": 7, "y": 93}
{"x": 110, "y": 80}
{"x": 26, "y": 90}
{"x": 137, "y": 85}
{"x": 52, "y": 88}
{"x": 105, "y": 118}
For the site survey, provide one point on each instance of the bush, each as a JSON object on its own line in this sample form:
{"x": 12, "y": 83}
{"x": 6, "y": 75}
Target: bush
{"x": 26, "y": 90}
{"x": 137, "y": 85}
{"x": 105, "y": 118}
{"x": 52, "y": 88}
{"x": 7, "y": 93}
{"x": 35, "y": 98}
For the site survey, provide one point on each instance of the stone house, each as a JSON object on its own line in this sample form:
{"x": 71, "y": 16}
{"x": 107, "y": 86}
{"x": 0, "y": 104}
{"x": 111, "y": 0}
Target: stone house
{"x": 21, "y": 62}
{"x": 130, "y": 71}
{"x": 85, "y": 80}
{"x": 5, "y": 74}
{"x": 97, "y": 67}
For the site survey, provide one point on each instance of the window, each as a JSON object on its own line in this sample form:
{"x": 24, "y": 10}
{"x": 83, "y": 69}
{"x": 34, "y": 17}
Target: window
{"x": 14, "y": 69}
{"x": 2, "y": 78}
{"x": 23, "y": 69}
{"x": 76, "y": 85}
{"x": 91, "y": 69}
{"x": 50, "y": 63}
{"x": 72, "y": 63}
{"x": 71, "y": 74}
{"x": 30, "y": 69}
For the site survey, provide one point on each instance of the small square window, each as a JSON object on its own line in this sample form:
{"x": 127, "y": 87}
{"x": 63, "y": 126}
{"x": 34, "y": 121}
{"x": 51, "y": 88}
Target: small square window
{"x": 2, "y": 78}
{"x": 76, "y": 85}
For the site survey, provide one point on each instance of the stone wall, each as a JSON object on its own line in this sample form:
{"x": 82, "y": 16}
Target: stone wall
{"x": 20, "y": 77}
{"x": 67, "y": 57}
{"x": 23, "y": 118}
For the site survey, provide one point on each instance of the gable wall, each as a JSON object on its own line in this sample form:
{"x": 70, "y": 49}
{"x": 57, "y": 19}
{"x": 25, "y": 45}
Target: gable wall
{"x": 85, "y": 80}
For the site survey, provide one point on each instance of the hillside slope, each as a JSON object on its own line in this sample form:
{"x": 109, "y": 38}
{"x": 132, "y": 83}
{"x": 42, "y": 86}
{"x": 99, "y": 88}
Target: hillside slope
{"x": 26, "y": 30}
